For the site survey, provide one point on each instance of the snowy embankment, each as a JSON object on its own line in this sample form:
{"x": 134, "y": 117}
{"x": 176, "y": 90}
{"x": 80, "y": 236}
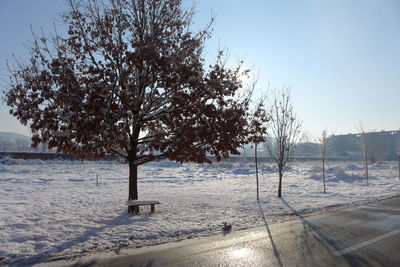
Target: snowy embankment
{"x": 54, "y": 208}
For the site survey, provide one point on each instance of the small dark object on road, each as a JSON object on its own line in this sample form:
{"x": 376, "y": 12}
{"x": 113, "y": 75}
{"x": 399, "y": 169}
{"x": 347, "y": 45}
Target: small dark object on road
{"x": 123, "y": 244}
{"x": 226, "y": 226}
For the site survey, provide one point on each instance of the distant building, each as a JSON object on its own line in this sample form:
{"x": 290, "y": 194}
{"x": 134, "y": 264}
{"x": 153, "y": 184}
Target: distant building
{"x": 381, "y": 145}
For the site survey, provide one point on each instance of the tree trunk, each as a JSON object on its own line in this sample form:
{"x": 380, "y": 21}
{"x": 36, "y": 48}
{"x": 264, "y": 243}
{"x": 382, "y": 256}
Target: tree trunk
{"x": 323, "y": 173}
{"x": 133, "y": 188}
{"x": 133, "y": 166}
{"x": 255, "y": 154}
{"x": 280, "y": 183}
{"x": 366, "y": 165}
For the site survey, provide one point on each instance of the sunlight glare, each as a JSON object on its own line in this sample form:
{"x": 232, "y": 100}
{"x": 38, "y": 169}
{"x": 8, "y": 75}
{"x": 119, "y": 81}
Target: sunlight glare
{"x": 240, "y": 253}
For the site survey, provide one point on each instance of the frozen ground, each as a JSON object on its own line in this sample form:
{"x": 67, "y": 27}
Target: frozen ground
{"x": 54, "y": 208}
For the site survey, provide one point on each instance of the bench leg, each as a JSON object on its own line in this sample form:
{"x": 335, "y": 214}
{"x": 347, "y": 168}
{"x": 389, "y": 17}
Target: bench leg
{"x": 133, "y": 209}
{"x": 152, "y": 208}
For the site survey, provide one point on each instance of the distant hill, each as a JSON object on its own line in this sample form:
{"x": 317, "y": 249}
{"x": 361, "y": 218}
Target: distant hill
{"x": 14, "y": 142}
{"x": 12, "y": 136}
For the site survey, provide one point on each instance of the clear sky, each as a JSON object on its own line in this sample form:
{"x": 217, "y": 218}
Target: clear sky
{"x": 341, "y": 58}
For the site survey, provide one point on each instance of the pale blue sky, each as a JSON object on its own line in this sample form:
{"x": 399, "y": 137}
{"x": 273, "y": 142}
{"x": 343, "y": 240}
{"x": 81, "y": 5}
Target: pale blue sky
{"x": 341, "y": 58}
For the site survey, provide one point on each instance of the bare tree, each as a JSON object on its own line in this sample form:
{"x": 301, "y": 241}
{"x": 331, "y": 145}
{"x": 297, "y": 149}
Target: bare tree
{"x": 284, "y": 132}
{"x": 364, "y": 145}
{"x": 325, "y": 142}
{"x": 19, "y": 143}
{"x": 129, "y": 78}
{"x": 258, "y": 130}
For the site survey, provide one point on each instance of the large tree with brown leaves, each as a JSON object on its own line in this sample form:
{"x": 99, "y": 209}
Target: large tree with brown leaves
{"x": 129, "y": 78}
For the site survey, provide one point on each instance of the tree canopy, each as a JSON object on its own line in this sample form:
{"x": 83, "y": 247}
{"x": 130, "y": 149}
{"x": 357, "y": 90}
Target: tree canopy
{"x": 129, "y": 77}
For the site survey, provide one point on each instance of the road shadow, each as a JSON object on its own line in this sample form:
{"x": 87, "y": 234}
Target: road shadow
{"x": 314, "y": 232}
{"x": 276, "y": 252}
{"x": 123, "y": 219}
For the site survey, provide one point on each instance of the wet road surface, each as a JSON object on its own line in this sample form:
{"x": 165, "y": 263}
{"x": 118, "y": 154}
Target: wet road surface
{"x": 367, "y": 235}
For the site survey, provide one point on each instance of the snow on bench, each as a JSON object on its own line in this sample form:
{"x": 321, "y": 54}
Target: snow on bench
{"x": 133, "y": 205}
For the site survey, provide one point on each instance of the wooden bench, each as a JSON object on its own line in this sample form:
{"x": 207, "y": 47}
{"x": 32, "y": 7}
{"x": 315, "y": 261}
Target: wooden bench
{"x": 133, "y": 205}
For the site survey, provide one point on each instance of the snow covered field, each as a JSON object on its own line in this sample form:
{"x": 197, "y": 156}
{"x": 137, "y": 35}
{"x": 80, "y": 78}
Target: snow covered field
{"x": 54, "y": 208}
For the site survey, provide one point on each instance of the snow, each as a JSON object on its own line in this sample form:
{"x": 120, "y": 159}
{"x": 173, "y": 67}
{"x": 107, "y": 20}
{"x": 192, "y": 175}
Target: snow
{"x": 54, "y": 208}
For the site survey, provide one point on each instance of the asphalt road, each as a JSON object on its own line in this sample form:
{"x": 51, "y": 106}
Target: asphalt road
{"x": 367, "y": 235}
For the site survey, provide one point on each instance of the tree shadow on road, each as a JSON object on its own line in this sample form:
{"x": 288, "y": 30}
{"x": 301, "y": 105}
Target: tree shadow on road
{"x": 276, "y": 252}
{"x": 315, "y": 233}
